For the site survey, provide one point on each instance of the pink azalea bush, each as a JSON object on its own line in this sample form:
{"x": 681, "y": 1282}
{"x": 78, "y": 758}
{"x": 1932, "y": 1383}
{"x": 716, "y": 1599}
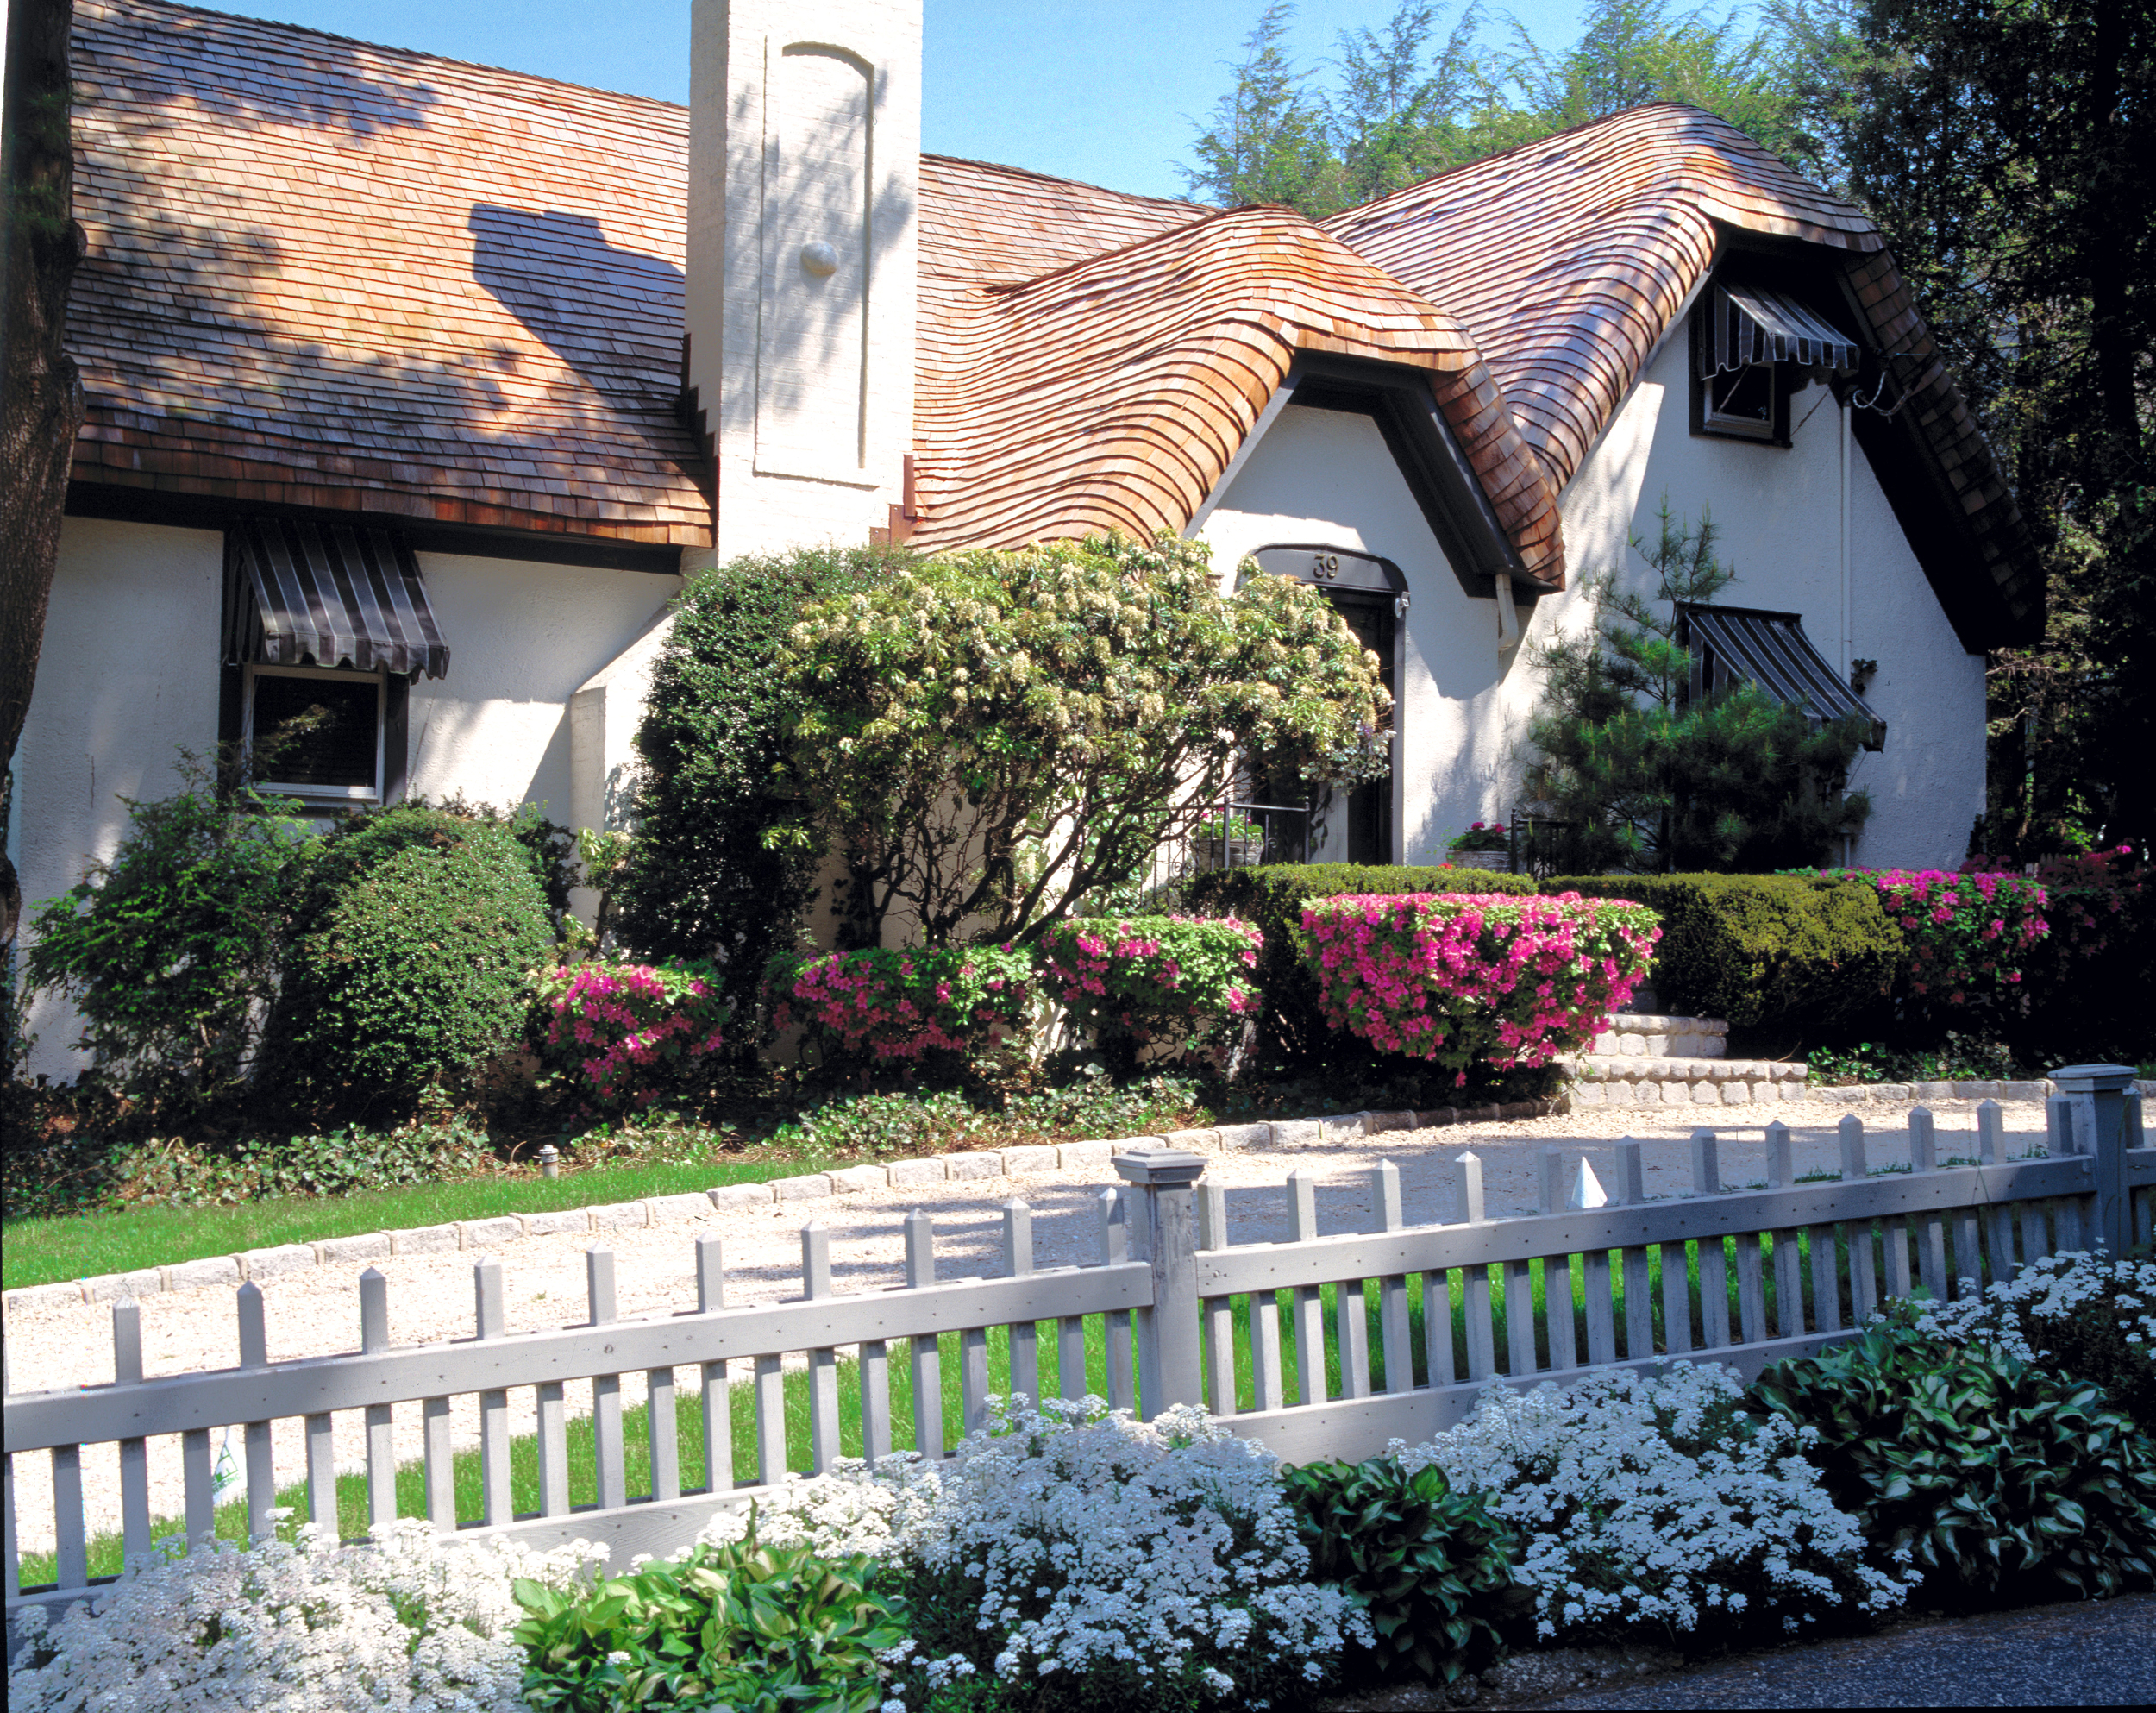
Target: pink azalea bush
{"x": 1153, "y": 977}
{"x": 1462, "y": 977}
{"x": 1970, "y": 936}
{"x": 892, "y": 1006}
{"x": 630, "y": 1030}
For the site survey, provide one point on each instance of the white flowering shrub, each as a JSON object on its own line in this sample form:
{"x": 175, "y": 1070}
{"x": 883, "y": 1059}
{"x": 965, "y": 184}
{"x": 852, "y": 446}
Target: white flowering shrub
{"x": 414, "y": 1622}
{"x": 2078, "y": 1311}
{"x": 1652, "y": 1500}
{"x": 1070, "y": 1558}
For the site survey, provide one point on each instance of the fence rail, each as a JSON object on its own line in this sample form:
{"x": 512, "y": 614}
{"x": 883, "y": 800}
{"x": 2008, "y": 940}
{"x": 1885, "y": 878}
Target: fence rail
{"x": 1321, "y": 1346}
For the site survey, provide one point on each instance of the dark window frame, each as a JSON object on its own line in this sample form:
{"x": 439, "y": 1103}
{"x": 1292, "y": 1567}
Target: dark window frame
{"x": 390, "y": 711}
{"x": 1707, "y": 424}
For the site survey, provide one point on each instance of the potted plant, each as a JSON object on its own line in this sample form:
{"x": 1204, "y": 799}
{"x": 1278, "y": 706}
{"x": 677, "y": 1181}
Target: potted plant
{"x": 1485, "y": 846}
{"x": 1226, "y": 841}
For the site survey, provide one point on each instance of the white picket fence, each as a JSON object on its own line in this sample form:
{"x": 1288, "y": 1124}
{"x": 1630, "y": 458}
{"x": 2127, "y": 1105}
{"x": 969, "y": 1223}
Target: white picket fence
{"x": 1172, "y": 1302}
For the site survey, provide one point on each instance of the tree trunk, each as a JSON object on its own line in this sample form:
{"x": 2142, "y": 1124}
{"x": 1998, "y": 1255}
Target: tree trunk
{"x": 40, "y": 406}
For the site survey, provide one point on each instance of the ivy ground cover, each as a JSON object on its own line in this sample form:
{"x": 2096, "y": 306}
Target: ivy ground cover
{"x": 1454, "y": 979}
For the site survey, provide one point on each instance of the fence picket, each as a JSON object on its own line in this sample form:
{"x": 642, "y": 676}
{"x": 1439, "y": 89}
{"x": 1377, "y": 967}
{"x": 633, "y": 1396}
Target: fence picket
{"x": 1864, "y": 1284}
{"x": 1714, "y": 1261}
{"x": 134, "y": 1458}
{"x": 1436, "y": 1327}
{"x": 71, "y": 1541}
{"x": 491, "y": 1321}
{"x": 770, "y": 1387}
{"x": 1931, "y": 1230}
{"x": 1305, "y": 1303}
{"x": 261, "y": 1478}
{"x": 1482, "y": 1335}
{"x": 923, "y": 1356}
{"x": 1395, "y": 1323}
{"x": 1825, "y": 1279}
{"x": 1557, "y": 1269}
{"x": 717, "y": 1399}
{"x": 1752, "y": 1292}
{"x": 822, "y": 1362}
{"x": 1998, "y": 1218}
{"x": 198, "y": 1476}
{"x": 608, "y": 1463}
{"x": 1017, "y": 1261}
{"x": 554, "y": 1448}
{"x": 2035, "y": 1242}
{"x": 1631, "y": 1192}
{"x": 381, "y": 1445}
{"x": 1116, "y": 1327}
{"x": 1217, "y": 1313}
{"x": 1789, "y": 1256}
{"x": 973, "y": 1377}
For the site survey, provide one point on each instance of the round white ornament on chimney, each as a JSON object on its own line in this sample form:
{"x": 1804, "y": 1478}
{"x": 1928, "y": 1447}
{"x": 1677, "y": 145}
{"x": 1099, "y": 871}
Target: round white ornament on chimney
{"x": 819, "y": 258}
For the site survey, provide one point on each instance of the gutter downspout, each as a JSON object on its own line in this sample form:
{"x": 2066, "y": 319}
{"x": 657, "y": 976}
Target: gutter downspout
{"x": 1508, "y": 615}
{"x": 1847, "y": 646}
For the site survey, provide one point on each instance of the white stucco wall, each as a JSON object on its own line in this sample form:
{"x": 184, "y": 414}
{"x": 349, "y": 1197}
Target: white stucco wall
{"x": 1777, "y": 510}
{"x": 130, "y": 669}
{"x": 1322, "y": 476}
{"x": 523, "y": 637}
{"x": 127, "y": 674}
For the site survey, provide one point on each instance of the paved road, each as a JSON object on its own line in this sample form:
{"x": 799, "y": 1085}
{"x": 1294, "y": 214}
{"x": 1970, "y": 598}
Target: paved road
{"x": 2096, "y": 1653}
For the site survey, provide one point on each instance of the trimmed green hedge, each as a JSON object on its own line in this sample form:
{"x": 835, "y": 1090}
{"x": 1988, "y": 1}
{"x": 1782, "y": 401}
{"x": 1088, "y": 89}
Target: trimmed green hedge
{"x": 1292, "y": 1027}
{"x": 1779, "y": 951}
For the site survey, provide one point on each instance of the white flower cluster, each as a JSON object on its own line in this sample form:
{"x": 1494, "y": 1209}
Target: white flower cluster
{"x": 2052, "y": 1289}
{"x": 414, "y": 1623}
{"x": 838, "y": 1515}
{"x": 1645, "y": 1499}
{"x": 1166, "y": 1547}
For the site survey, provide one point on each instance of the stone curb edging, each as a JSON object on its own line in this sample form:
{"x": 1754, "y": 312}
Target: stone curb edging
{"x": 228, "y": 1271}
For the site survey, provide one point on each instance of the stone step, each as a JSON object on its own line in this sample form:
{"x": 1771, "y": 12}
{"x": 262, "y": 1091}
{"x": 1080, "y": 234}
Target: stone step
{"x": 1645, "y": 1035}
{"x": 1661, "y": 1080}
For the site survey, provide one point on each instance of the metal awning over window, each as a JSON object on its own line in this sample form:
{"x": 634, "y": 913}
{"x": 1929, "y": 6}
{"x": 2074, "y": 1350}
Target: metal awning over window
{"x": 1772, "y": 650}
{"x": 328, "y": 594}
{"x": 1754, "y": 326}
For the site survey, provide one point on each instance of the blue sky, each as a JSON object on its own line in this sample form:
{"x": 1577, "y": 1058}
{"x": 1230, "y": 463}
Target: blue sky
{"x": 1105, "y": 90}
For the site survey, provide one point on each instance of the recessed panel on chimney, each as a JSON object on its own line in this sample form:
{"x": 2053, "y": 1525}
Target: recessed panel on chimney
{"x": 813, "y": 320}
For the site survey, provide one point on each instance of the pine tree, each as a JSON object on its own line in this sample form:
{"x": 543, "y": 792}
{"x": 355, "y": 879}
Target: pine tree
{"x": 1646, "y": 776}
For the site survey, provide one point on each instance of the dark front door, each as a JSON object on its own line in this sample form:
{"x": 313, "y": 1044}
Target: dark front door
{"x": 1370, "y": 807}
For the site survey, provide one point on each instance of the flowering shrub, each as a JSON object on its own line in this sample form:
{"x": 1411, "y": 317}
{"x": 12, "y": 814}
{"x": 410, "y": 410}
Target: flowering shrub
{"x": 415, "y": 1622}
{"x": 1153, "y": 976}
{"x": 892, "y": 1006}
{"x": 1970, "y": 936}
{"x": 1640, "y": 1502}
{"x": 2083, "y": 1314}
{"x": 1458, "y": 978}
{"x": 630, "y": 1028}
{"x": 1482, "y": 836}
{"x": 1075, "y": 1557}
{"x": 2087, "y": 979}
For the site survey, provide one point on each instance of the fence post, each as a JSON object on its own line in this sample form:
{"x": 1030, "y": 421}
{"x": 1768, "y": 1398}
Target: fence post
{"x": 1170, "y": 1370}
{"x": 2095, "y": 1098}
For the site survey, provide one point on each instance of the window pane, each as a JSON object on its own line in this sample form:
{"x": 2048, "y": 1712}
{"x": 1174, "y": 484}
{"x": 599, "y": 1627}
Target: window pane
{"x": 338, "y": 751}
{"x": 1746, "y": 395}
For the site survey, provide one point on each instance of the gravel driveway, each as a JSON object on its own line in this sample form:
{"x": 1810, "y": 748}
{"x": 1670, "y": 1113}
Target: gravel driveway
{"x": 315, "y": 1312}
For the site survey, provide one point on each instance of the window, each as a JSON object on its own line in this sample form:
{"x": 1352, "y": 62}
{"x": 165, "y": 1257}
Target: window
{"x": 319, "y": 733}
{"x": 1749, "y": 401}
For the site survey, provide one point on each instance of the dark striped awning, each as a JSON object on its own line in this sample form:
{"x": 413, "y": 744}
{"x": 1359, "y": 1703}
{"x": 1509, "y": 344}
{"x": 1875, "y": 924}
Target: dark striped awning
{"x": 1754, "y": 326}
{"x": 328, "y": 594}
{"x": 1770, "y": 649}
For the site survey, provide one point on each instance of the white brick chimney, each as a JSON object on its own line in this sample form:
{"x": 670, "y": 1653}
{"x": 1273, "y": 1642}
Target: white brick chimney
{"x": 805, "y": 143}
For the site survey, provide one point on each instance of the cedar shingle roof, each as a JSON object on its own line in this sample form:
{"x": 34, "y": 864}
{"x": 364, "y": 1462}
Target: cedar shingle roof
{"x": 1568, "y": 258}
{"x": 1113, "y": 393}
{"x": 345, "y": 277}
{"x": 327, "y": 274}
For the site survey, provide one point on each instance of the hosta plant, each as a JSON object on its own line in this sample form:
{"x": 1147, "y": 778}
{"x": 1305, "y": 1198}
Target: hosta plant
{"x": 1429, "y": 1566}
{"x": 1643, "y": 1503}
{"x": 2080, "y": 1312}
{"x": 742, "y": 1625}
{"x": 1997, "y": 1476}
{"x": 1460, "y": 978}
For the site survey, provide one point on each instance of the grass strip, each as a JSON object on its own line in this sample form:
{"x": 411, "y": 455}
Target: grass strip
{"x": 83, "y": 1245}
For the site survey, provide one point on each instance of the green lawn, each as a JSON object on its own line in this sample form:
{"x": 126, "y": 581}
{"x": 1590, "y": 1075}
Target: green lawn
{"x": 82, "y": 1245}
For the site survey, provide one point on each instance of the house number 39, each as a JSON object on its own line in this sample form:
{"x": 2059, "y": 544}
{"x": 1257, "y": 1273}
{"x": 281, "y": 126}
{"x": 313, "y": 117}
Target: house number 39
{"x": 1325, "y": 566}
